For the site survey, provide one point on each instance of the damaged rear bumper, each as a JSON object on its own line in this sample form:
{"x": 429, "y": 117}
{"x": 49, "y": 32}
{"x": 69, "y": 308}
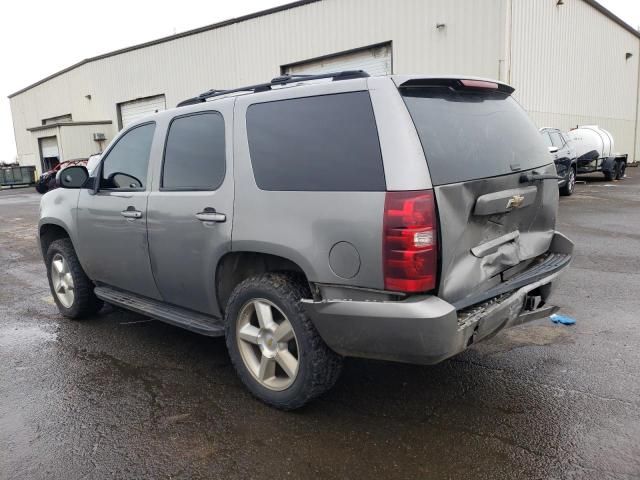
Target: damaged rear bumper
{"x": 426, "y": 329}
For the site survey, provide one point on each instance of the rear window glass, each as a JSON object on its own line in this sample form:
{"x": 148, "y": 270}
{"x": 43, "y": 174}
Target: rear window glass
{"x": 467, "y": 135}
{"x": 323, "y": 143}
{"x": 556, "y": 139}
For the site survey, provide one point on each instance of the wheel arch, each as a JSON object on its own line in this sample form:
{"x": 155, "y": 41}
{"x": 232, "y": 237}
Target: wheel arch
{"x": 49, "y": 232}
{"x": 234, "y": 267}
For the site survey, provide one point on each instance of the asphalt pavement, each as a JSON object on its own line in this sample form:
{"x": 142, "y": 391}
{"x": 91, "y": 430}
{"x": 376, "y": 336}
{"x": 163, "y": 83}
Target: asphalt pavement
{"x": 121, "y": 396}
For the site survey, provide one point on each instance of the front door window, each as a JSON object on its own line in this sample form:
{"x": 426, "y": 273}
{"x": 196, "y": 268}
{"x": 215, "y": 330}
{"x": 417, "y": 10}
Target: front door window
{"x": 126, "y": 164}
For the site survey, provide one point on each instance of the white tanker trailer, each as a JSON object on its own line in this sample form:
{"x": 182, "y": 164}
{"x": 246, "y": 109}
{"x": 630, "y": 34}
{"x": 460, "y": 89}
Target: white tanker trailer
{"x": 594, "y": 150}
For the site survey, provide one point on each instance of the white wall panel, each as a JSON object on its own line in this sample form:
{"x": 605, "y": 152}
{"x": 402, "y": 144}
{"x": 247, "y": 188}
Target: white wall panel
{"x": 77, "y": 141}
{"x": 567, "y": 62}
{"x": 472, "y": 42}
{"x": 569, "y": 67}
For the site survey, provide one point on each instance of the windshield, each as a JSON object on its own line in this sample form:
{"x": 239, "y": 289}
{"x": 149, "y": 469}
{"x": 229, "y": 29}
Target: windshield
{"x": 471, "y": 134}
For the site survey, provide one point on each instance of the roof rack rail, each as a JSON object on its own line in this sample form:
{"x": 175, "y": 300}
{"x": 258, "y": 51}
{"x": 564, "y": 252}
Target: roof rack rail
{"x": 281, "y": 80}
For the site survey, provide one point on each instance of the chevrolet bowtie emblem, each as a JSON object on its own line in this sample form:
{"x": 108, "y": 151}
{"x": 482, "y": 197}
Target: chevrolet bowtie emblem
{"x": 515, "y": 202}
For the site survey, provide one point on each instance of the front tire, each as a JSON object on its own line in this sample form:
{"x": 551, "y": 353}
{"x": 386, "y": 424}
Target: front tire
{"x": 72, "y": 290}
{"x": 274, "y": 346}
{"x": 42, "y": 186}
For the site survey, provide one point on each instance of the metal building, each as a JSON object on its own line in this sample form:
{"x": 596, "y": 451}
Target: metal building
{"x": 571, "y": 62}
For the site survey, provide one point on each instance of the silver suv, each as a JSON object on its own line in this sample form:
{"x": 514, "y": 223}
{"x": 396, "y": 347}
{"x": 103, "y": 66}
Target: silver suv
{"x": 310, "y": 218}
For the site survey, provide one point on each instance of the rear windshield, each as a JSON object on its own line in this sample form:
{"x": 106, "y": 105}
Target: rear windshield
{"x": 468, "y": 135}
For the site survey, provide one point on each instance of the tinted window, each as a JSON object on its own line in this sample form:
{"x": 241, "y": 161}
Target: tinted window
{"x": 468, "y": 135}
{"x": 194, "y": 156}
{"x": 556, "y": 139}
{"x": 126, "y": 164}
{"x": 324, "y": 143}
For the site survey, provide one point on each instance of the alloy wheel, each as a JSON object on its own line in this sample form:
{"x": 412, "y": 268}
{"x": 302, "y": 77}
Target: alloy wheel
{"x": 572, "y": 180}
{"x": 267, "y": 344}
{"x": 62, "y": 280}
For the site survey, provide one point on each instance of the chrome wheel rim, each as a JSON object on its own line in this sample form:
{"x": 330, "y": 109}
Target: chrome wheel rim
{"x": 267, "y": 344}
{"x": 572, "y": 180}
{"x": 62, "y": 280}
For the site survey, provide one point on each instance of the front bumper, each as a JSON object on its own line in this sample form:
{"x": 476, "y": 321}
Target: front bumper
{"x": 426, "y": 329}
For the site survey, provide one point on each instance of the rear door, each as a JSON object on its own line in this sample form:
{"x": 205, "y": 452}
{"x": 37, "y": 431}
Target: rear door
{"x": 191, "y": 207}
{"x": 480, "y": 147}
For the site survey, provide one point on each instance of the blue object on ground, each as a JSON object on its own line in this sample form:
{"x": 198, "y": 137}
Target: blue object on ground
{"x": 563, "y": 319}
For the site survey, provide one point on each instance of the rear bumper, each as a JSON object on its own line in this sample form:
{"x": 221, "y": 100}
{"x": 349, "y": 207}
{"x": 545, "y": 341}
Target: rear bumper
{"x": 426, "y": 329}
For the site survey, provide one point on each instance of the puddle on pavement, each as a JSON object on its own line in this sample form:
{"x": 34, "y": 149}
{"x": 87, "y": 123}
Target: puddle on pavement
{"x": 18, "y": 336}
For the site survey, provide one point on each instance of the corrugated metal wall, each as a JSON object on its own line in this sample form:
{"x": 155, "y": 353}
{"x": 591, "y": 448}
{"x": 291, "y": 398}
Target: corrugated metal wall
{"x": 569, "y": 67}
{"x": 472, "y": 42}
{"x": 77, "y": 141}
{"x": 567, "y": 62}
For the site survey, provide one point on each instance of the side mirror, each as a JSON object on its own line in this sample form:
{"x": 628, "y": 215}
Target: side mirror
{"x": 553, "y": 149}
{"x": 72, "y": 177}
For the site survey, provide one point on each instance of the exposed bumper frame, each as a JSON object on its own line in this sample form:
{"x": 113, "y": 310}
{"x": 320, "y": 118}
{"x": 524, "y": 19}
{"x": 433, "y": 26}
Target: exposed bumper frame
{"x": 426, "y": 329}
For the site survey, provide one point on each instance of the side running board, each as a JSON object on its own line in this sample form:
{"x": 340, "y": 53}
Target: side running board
{"x": 180, "y": 317}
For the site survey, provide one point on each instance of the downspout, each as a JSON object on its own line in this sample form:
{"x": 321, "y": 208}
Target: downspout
{"x": 60, "y": 149}
{"x": 510, "y": 45}
{"x": 635, "y": 130}
{"x": 508, "y": 40}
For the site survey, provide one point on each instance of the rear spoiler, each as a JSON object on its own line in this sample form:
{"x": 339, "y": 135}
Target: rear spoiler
{"x": 459, "y": 84}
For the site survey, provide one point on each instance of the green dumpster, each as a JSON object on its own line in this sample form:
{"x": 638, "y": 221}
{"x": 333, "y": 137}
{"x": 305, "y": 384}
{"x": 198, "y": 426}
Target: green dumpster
{"x": 14, "y": 176}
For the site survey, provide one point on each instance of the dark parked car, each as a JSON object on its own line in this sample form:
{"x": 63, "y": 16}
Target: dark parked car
{"x": 47, "y": 180}
{"x": 564, "y": 157}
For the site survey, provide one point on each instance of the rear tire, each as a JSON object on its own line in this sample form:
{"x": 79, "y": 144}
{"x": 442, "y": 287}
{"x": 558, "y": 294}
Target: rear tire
{"x": 285, "y": 371}
{"x": 612, "y": 174}
{"x": 567, "y": 189}
{"x": 72, "y": 290}
{"x": 622, "y": 168}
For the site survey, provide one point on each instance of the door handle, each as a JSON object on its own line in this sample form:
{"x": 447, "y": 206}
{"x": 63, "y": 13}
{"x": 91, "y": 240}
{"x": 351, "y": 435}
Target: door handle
{"x": 210, "y": 215}
{"x": 131, "y": 212}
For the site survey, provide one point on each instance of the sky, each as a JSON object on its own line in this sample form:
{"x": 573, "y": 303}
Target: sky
{"x": 40, "y": 37}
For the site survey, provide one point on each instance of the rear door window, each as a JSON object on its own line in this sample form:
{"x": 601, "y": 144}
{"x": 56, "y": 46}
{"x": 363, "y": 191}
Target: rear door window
{"x": 194, "y": 156}
{"x": 471, "y": 134}
{"x": 321, "y": 143}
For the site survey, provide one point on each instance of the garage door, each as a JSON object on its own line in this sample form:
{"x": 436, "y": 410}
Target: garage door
{"x": 49, "y": 147}
{"x": 374, "y": 61}
{"x": 137, "y": 109}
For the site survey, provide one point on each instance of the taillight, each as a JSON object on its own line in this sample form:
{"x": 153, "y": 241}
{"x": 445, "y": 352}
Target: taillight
{"x": 409, "y": 241}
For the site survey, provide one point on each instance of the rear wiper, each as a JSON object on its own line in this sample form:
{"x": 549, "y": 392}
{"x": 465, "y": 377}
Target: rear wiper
{"x": 534, "y": 176}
